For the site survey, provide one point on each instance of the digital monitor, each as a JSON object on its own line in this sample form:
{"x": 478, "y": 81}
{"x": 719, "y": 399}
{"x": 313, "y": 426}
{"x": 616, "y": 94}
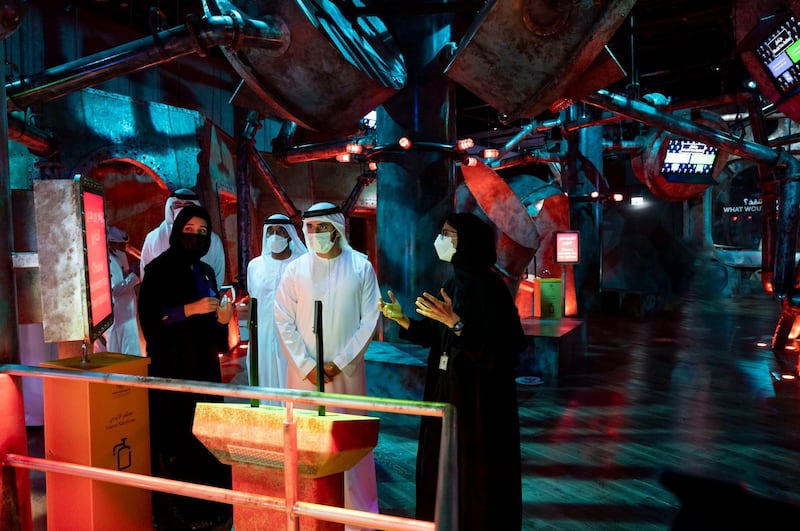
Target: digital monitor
{"x": 689, "y": 162}
{"x": 98, "y": 277}
{"x": 779, "y": 53}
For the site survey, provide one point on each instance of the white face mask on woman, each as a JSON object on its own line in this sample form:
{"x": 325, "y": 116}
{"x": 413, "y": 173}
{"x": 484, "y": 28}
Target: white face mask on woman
{"x": 320, "y": 242}
{"x": 277, "y": 244}
{"x": 444, "y": 248}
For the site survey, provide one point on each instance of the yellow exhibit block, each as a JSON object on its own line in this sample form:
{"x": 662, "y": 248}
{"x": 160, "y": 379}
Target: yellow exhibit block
{"x": 99, "y": 425}
{"x": 251, "y": 441}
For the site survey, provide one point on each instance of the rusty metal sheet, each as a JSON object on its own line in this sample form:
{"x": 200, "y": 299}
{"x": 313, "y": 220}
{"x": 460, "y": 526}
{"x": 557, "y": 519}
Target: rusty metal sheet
{"x": 520, "y": 56}
{"x": 328, "y": 74}
{"x": 500, "y": 203}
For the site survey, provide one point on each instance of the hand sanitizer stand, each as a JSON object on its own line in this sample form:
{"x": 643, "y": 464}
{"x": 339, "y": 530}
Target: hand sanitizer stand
{"x": 99, "y": 425}
{"x": 250, "y": 439}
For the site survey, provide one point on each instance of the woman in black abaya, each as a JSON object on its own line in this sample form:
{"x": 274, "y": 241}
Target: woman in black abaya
{"x": 475, "y": 336}
{"x": 186, "y": 327}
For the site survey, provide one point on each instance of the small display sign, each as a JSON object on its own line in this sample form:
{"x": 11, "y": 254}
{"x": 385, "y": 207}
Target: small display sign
{"x": 97, "y": 268}
{"x": 567, "y": 247}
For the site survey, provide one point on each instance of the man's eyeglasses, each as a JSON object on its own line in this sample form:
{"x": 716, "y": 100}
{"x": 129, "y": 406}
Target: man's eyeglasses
{"x": 448, "y": 233}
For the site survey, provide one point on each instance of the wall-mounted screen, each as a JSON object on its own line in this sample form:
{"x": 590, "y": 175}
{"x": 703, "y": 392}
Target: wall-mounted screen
{"x": 779, "y": 53}
{"x": 98, "y": 278}
{"x": 689, "y": 162}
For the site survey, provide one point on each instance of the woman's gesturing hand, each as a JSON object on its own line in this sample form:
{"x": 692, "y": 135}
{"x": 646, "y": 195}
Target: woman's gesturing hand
{"x": 437, "y": 309}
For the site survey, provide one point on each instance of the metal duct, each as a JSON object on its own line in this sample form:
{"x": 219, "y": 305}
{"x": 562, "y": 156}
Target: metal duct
{"x": 39, "y": 142}
{"x": 330, "y": 72}
{"x": 524, "y": 56}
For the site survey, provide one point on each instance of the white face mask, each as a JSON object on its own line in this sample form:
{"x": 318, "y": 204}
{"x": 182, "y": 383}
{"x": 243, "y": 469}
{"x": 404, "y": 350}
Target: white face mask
{"x": 444, "y": 248}
{"x": 320, "y": 242}
{"x": 277, "y": 244}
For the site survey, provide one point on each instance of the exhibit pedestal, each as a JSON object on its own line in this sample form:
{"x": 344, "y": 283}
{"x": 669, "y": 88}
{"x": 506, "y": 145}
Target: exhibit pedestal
{"x": 250, "y": 439}
{"x": 98, "y": 425}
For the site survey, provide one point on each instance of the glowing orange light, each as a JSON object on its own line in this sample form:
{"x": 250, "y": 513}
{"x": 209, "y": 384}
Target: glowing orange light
{"x": 471, "y": 161}
{"x": 405, "y": 142}
{"x": 355, "y": 148}
{"x": 617, "y": 197}
{"x": 491, "y": 153}
{"x": 372, "y": 165}
{"x": 343, "y": 157}
{"x": 465, "y": 143}
{"x": 595, "y": 195}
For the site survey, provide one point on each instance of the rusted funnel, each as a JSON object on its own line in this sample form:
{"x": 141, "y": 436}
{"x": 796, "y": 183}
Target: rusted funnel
{"x": 524, "y": 56}
{"x": 330, "y": 72}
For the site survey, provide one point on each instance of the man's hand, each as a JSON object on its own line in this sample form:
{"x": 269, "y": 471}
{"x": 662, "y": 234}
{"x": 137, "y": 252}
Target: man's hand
{"x": 331, "y": 370}
{"x": 312, "y": 376}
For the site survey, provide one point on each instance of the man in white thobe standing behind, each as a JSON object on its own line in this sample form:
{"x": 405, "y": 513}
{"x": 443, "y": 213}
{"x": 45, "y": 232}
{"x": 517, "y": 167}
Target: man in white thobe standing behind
{"x": 280, "y": 246}
{"x": 157, "y": 240}
{"x": 344, "y": 280}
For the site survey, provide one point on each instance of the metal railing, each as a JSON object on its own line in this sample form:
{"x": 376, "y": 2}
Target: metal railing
{"x": 446, "y": 499}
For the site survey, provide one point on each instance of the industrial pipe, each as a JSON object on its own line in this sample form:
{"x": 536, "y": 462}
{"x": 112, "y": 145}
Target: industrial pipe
{"x": 788, "y": 218}
{"x": 196, "y": 36}
{"x": 283, "y": 198}
{"x": 40, "y": 143}
{"x": 649, "y": 115}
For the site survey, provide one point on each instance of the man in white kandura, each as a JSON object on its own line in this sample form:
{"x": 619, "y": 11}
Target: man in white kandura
{"x": 280, "y": 245}
{"x": 344, "y": 280}
{"x": 157, "y": 240}
{"x": 123, "y": 335}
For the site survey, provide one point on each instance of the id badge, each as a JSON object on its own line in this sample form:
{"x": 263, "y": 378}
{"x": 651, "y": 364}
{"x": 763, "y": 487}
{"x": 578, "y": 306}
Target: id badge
{"x": 443, "y": 361}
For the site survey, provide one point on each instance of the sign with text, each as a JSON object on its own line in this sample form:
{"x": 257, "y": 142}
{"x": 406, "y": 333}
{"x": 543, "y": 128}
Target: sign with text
{"x": 97, "y": 268}
{"x": 567, "y": 247}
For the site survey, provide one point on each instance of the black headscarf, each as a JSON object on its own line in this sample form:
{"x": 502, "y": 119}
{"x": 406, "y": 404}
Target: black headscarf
{"x": 475, "y": 249}
{"x": 191, "y": 246}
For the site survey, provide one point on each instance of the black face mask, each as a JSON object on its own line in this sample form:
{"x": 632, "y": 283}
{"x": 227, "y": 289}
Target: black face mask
{"x": 195, "y": 245}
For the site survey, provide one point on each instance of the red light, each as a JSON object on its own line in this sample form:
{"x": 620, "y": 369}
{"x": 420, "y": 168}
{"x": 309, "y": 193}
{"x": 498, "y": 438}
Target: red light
{"x": 465, "y": 144}
{"x": 355, "y": 148}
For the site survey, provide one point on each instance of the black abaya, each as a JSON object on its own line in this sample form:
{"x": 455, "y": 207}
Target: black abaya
{"x": 186, "y": 348}
{"x": 480, "y": 382}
